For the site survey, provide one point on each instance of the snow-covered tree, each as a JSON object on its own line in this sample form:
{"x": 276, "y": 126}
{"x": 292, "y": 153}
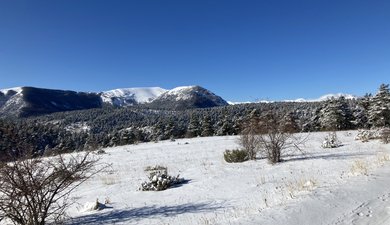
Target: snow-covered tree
{"x": 207, "y": 127}
{"x": 289, "y": 123}
{"x": 335, "y": 115}
{"x": 193, "y": 129}
{"x": 225, "y": 125}
{"x": 379, "y": 109}
{"x": 360, "y": 112}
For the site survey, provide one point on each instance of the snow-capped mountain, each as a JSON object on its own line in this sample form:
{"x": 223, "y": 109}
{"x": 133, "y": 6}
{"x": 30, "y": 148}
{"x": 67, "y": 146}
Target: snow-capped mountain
{"x": 187, "y": 97}
{"x": 29, "y": 101}
{"x": 324, "y": 98}
{"x": 131, "y": 96}
{"x": 320, "y": 99}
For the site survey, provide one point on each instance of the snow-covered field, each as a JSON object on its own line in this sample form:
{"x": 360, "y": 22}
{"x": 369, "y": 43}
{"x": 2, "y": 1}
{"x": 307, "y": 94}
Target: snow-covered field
{"x": 345, "y": 185}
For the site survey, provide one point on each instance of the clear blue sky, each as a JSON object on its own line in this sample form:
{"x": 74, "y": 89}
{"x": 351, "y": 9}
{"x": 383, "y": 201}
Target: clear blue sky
{"x": 241, "y": 50}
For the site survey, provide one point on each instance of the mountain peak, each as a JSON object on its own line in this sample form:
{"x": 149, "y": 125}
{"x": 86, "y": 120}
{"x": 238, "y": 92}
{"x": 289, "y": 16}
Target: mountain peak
{"x": 14, "y": 90}
{"x": 131, "y": 96}
{"x": 188, "y": 97}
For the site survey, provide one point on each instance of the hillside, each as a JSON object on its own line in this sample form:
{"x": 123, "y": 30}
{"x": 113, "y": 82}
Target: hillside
{"x": 31, "y": 101}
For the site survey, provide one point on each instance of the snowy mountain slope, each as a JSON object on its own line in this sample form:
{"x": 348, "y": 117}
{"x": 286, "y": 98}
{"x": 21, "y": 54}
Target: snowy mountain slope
{"x": 11, "y": 100}
{"x": 131, "y": 96}
{"x": 324, "y": 186}
{"x": 28, "y": 101}
{"x": 187, "y": 97}
{"x": 180, "y": 93}
{"x": 14, "y": 89}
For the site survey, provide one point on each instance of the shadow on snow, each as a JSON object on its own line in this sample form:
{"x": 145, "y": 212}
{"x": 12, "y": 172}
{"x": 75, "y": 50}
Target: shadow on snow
{"x": 328, "y": 156}
{"x": 147, "y": 212}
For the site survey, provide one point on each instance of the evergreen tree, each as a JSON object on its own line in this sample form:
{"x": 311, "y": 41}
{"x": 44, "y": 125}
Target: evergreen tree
{"x": 158, "y": 131}
{"x": 336, "y": 115}
{"x": 207, "y": 128}
{"x": 225, "y": 126}
{"x": 193, "y": 129}
{"x": 289, "y": 123}
{"x": 360, "y": 112}
{"x": 171, "y": 130}
{"x": 379, "y": 109}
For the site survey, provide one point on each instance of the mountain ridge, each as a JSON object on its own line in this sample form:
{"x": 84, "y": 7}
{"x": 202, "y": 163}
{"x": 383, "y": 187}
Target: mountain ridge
{"x": 33, "y": 101}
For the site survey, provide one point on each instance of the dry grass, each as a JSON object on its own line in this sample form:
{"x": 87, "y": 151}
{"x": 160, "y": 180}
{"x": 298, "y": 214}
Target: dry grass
{"x": 300, "y": 185}
{"x": 359, "y": 167}
{"x": 382, "y": 158}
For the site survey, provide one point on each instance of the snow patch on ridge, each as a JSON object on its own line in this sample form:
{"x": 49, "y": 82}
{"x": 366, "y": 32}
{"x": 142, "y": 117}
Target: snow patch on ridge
{"x": 181, "y": 93}
{"x": 139, "y": 95}
{"x": 18, "y": 90}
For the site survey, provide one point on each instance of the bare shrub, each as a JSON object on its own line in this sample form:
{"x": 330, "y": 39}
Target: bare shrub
{"x": 33, "y": 191}
{"x": 277, "y": 140}
{"x": 249, "y": 139}
{"x": 235, "y": 156}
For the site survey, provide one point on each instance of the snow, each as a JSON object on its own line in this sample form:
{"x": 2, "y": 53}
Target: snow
{"x": 181, "y": 93}
{"x": 140, "y": 95}
{"x": 320, "y": 99}
{"x": 238, "y": 103}
{"x": 321, "y": 187}
{"x": 15, "y": 102}
{"x": 18, "y": 90}
{"x": 78, "y": 127}
{"x": 324, "y": 98}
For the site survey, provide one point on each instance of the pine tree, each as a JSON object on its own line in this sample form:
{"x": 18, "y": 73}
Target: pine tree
{"x": 360, "y": 112}
{"x": 225, "y": 126}
{"x": 207, "y": 128}
{"x": 379, "y": 109}
{"x": 193, "y": 129}
{"x": 171, "y": 130}
{"x": 336, "y": 115}
{"x": 289, "y": 123}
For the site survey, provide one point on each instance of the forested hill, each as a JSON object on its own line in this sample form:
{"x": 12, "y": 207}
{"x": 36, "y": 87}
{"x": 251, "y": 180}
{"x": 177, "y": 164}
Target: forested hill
{"x": 102, "y": 127}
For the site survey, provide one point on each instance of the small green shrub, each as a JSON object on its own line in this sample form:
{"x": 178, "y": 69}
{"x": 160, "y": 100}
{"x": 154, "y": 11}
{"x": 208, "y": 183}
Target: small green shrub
{"x": 235, "y": 156}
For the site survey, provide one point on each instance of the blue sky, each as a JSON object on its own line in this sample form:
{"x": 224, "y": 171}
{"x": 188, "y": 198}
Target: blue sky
{"x": 241, "y": 50}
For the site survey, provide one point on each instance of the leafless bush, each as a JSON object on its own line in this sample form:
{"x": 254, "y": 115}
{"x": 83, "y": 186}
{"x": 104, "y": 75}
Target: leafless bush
{"x": 277, "y": 140}
{"x": 249, "y": 139}
{"x": 250, "y": 143}
{"x": 33, "y": 191}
